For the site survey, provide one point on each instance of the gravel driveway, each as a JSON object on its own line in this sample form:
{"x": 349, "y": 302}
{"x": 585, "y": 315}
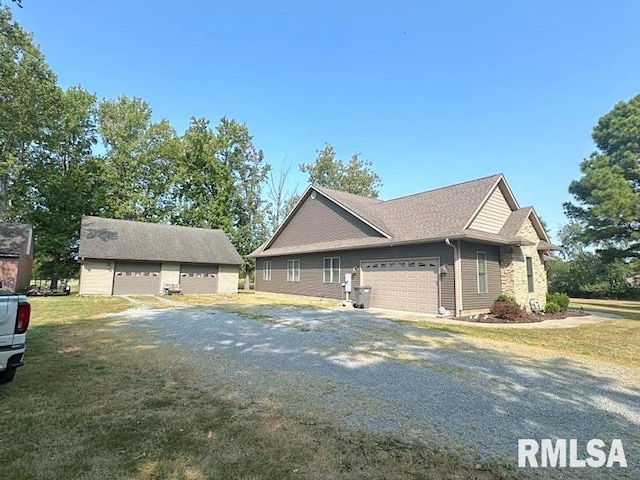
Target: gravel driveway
{"x": 372, "y": 373}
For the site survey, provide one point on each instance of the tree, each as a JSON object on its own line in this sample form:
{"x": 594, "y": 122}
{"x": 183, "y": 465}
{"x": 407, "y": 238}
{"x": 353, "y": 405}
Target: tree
{"x": 607, "y": 196}
{"x": 59, "y": 184}
{"x": 249, "y": 171}
{"x": 279, "y": 197}
{"x": 355, "y": 176}
{"x": 204, "y": 183}
{"x": 139, "y": 162}
{"x": 29, "y": 99}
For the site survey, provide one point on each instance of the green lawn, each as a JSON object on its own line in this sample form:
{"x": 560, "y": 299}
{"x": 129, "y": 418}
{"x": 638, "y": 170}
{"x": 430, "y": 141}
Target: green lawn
{"x": 95, "y": 402}
{"x": 616, "y": 340}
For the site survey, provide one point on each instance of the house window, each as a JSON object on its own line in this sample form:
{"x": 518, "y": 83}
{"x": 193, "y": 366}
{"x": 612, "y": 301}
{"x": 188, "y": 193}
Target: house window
{"x": 482, "y": 272}
{"x": 530, "y": 273}
{"x": 331, "y": 270}
{"x": 293, "y": 270}
{"x": 266, "y": 271}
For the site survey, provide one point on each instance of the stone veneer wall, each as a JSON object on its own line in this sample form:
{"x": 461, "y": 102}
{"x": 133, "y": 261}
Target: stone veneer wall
{"x": 514, "y": 270}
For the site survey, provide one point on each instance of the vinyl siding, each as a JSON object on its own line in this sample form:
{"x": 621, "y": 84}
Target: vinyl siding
{"x": 311, "y": 276}
{"x": 170, "y": 273}
{"x": 493, "y": 214}
{"x": 228, "y": 278}
{"x": 96, "y": 278}
{"x": 471, "y": 299}
{"x": 320, "y": 220}
{"x": 24, "y": 273}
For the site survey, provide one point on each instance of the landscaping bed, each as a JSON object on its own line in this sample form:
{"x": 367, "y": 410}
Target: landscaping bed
{"x": 526, "y": 318}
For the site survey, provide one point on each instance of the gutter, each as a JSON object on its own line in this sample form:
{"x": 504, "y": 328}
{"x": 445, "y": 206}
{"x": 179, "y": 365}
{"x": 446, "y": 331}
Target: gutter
{"x": 457, "y": 277}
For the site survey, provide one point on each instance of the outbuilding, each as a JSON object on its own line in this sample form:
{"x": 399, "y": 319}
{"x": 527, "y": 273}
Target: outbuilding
{"x": 16, "y": 256}
{"x": 124, "y": 257}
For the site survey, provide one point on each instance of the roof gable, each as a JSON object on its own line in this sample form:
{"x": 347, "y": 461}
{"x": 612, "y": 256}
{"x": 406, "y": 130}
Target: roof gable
{"x": 434, "y": 215}
{"x": 16, "y": 239}
{"x": 493, "y": 213}
{"x": 108, "y": 238}
{"x": 318, "y": 218}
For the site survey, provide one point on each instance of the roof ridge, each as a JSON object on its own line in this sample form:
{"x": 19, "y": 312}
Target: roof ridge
{"x": 446, "y": 186}
{"x": 152, "y": 223}
{"x": 364, "y": 197}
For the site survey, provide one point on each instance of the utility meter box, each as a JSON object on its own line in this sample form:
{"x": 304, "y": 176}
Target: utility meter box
{"x": 347, "y": 283}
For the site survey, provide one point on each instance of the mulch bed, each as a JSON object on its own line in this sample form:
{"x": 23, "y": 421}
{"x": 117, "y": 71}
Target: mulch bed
{"x": 527, "y": 318}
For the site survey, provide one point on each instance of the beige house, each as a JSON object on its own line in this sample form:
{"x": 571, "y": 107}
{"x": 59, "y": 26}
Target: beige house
{"x": 16, "y": 256}
{"x": 123, "y": 257}
{"x": 454, "y": 248}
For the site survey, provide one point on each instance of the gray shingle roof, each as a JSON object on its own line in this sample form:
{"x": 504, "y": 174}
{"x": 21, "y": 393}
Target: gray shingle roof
{"x": 423, "y": 217}
{"x": 15, "y": 239}
{"x": 113, "y": 239}
{"x": 514, "y": 223}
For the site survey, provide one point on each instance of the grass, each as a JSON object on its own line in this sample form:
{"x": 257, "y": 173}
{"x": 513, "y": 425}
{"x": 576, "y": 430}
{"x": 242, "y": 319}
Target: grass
{"x": 624, "y": 308}
{"x": 95, "y": 402}
{"x": 616, "y": 341}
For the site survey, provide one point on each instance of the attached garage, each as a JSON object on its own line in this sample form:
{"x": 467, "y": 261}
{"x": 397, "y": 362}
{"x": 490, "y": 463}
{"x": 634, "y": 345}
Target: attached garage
{"x": 198, "y": 279}
{"x": 403, "y": 284}
{"x": 136, "y": 278}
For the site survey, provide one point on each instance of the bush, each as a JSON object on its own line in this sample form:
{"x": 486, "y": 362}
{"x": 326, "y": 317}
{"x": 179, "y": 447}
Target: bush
{"x": 503, "y": 297}
{"x": 560, "y": 299}
{"x": 506, "y": 310}
{"x": 552, "y": 307}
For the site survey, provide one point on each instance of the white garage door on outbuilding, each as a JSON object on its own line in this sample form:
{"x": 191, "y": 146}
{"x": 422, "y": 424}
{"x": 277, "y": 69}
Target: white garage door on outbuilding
{"x": 400, "y": 284}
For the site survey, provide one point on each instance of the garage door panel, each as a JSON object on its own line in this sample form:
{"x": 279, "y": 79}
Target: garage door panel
{"x": 403, "y": 284}
{"x": 134, "y": 278}
{"x": 199, "y": 279}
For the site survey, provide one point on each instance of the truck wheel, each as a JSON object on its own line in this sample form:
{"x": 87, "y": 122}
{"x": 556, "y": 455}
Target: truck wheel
{"x": 7, "y": 375}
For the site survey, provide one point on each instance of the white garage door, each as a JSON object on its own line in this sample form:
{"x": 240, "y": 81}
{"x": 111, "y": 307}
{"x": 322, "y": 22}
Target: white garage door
{"x": 403, "y": 284}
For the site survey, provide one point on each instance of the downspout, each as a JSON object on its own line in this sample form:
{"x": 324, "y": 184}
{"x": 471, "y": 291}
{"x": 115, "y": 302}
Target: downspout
{"x": 457, "y": 277}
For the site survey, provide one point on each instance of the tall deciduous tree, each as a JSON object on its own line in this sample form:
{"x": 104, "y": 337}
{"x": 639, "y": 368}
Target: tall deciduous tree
{"x": 29, "y": 98}
{"x": 355, "y": 176}
{"x": 204, "y": 182}
{"x": 236, "y": 150}
{"x": 59, "y": 184}
{"x": 278, "y": 197}
{"x": 607, "y": 196}
{"x": 139, "y": 162}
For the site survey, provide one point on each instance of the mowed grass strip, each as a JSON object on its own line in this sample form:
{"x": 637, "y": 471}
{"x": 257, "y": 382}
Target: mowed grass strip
{"x": 616, "y": 341}
{"x": 95, "y": 401}
{"x": 629, "y": 309}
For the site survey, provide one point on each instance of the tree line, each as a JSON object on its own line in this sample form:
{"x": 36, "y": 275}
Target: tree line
{"x": 64, "y": 153}
{"x": 602, "y": 239}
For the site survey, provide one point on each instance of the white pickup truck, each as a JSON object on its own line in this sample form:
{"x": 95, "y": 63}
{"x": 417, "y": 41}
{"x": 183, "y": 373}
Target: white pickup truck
{"x": 15, "y": 314}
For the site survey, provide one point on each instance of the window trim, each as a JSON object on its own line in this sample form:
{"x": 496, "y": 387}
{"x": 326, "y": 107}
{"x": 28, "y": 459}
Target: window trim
{"x": 331, "y": 270}
{"x": 293, "y": 267}
{"x": 530, "y": 279}
{"x": 485, "y": 273}
{"x": 266, "y": 271}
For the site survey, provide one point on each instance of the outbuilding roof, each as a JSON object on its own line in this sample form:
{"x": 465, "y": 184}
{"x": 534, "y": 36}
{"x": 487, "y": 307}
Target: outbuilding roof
{"x": 108, "y": 238}
{"x": 15, "y": 239}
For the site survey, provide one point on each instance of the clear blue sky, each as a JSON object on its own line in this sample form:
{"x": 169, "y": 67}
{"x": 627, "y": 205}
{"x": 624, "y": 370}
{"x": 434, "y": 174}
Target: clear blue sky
{"x": 432, "y": 92}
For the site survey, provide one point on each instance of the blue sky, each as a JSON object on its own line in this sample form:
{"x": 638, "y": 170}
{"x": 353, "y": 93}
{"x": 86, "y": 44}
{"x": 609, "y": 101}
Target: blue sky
{"x": 432, "y": 93}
